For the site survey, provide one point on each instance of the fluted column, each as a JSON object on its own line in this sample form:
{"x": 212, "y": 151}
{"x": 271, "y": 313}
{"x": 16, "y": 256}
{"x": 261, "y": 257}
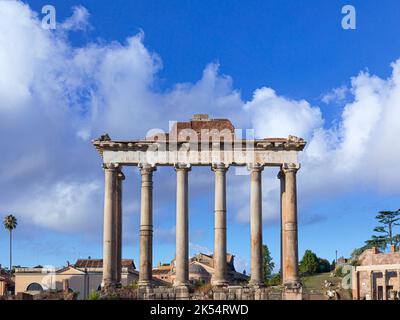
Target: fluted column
{"x": 182, "y": 226}
{"x": 146, "y": 225}
{"x": 281, "y": 177}
{"x": 291, "y": 258}
{"x": 257, "y": 277}
{"x": 219, "y": 277}
{"x": 109, "y": 245}
{"x": 118, "y": 222}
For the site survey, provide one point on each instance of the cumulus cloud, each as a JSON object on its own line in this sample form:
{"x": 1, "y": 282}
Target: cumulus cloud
{"x": 79, "y": 21}
{"x": 337, "y": 95}
{"x": 277, "y": 116}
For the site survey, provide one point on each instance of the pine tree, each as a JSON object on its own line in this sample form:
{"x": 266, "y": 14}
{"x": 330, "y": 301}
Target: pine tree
{"x": 386, "y": 236}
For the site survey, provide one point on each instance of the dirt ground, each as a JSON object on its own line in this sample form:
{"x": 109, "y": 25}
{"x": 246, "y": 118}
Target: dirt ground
{"x": 314, "y": 288}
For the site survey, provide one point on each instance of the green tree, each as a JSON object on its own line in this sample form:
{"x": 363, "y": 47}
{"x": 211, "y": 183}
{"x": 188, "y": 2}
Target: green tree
{"x": 388, "y": 221}
{"x": 268, "y": 264}
{"x": 275, "y": 280}
{"x": 309, "y": 264}
{"x": 323, "y": 265}
{"x": 10, "y": 223}
{"x": 333, "y": 265}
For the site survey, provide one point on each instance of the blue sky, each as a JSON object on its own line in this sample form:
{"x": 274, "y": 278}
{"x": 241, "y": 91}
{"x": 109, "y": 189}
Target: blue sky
{"x": 136, "y": 60}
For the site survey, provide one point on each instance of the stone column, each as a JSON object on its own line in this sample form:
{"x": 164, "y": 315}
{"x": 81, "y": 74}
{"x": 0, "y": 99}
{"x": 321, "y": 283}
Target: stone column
{"x": 371, "y": 284}
{"x": 219, "y": 277}
{"x": 281, "y": 177}
{"x": 109, "y": 246}
{"x": 291, "y": 259}
{"x": 398, "y": 283}
{"x": 384, "y": 291}
{"x": 355, "y": 283}
{"x": 118, "y": 222}
{"x": 182, "y": 227}
{"x": 146, "y": 226}
{"x": 256, "y": 278}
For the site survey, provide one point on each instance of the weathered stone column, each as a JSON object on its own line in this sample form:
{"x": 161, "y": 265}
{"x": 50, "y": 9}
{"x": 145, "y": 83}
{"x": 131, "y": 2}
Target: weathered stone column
{"x": 281, "y": 177}
{"x": 146, "y": 226}
{"x": 355, "y": 278}
{"x": 257, "y": 277}
{"x": 219, "y": 277}
{"x": 182, "y": 226}
{"x": 291, "y": 259}
{"x": 109, "y": 246}
{"x": 384, "y": 289}
{"x": 371, "y": 285}
{"x": 118, "y": 223}
{"x": 398, "y": 282}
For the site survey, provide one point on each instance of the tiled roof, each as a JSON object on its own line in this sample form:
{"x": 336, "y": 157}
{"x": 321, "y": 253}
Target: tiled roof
{"x": 98, "y": 263}
{"x": 161, "y": 271}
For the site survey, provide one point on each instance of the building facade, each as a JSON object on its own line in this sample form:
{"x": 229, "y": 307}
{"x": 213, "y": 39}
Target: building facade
{"x": 377, "y": 277}
{"x": 83, "y": 277}
{"x": 201, "y": 270}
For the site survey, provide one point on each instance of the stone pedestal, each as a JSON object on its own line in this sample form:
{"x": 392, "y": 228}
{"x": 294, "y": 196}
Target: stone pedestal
{"x": 293, "y": 293}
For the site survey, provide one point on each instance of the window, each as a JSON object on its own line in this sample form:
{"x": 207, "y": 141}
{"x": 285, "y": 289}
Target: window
{"x": 34, "y": 287}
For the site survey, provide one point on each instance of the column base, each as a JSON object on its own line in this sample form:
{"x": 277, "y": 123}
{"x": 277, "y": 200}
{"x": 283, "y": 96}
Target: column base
{"x": 219, "y": 283}
{"x": 293, "y": 291}
{"x": 109, "y": 286}
{"x": 292, "y": 284}
{"x": 181, "y": 291}
{"x": 181, "y": 284}
{"x": 145, "y": 284}
{"x": 256, "y": 283}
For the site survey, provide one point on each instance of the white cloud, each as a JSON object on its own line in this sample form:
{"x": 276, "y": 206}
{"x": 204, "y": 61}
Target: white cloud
{"x": 79, "y": 21}
{"x": 277, "y": 116}
{"x": 336, "y": 95}
{"x": 61, "y": 206}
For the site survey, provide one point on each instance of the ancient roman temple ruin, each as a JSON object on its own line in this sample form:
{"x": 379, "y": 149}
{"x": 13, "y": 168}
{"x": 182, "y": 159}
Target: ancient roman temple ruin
{"x": 200, "y": 142}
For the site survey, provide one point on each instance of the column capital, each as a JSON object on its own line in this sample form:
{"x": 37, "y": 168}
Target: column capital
{"x": 182, "y": 166}
{"x": 146, "y": 168}
{"x": 255, "y": 167}
{"x": 290, "y": 167}
{"x": 111, "y": 166}
{"x": 219, "y": 167}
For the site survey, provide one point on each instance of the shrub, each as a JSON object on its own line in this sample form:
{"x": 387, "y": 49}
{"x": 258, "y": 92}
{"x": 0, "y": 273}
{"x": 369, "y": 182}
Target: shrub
{"x": 94, "y": 295}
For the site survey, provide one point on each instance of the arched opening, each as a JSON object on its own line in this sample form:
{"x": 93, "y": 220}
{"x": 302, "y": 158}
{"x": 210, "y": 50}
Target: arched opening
{"x": 34, "y": 287}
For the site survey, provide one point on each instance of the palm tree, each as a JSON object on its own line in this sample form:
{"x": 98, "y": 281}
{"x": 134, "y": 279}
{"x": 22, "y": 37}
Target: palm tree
{"x": 10, "y": 223}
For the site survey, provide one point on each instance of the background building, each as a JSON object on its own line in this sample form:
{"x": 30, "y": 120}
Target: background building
{"x": 201, "y": 269}
{"x": 83, "y": 277}
{"x": 378, "y": 275}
